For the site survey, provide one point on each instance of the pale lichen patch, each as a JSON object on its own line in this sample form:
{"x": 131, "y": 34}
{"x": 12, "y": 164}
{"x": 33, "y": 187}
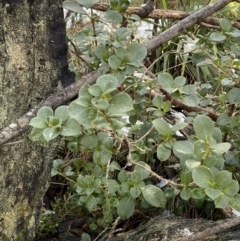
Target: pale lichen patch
{"x": 13, "y": 125}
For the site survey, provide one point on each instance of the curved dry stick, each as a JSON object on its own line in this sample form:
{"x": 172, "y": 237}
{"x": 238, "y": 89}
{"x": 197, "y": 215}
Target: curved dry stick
{"x": 62, "y": 96}
{"x": 165, "y": 14}
{"x": 178, "y": 28}
{"x": 179, "y": 104}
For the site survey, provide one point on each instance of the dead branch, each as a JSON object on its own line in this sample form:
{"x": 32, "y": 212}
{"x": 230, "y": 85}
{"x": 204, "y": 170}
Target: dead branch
{"x": 62, "y": 96}
{"x": 166, "y": 14}
{"x": 146, "y": 10}
{"x": 213, "y": 230}
{"x": 178, "y": 28}
{"x": 177, "y": 103}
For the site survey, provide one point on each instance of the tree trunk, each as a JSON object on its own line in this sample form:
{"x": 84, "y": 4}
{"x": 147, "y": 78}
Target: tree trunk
{"x": 33, "y": 59}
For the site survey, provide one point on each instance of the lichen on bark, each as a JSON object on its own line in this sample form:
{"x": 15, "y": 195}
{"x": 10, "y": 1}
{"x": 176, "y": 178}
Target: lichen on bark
{"x": 33, "y": 59}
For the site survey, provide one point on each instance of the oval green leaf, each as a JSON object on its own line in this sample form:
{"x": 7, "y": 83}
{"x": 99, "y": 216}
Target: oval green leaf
{"x": 89, "y": 142}
{"x": 135, "y": 192}
{"x": 137, "y": 51}
{"x": 38, "y": 122}
{"x": 71, "y": 128}
{"x": 225, "y": 25}
{"x": 120, "y": 104}
{"x": 232, "y": 189}
{"x": 62, "y": 113}
{"x": 221, "y": 201}
{"x": 212, "y": 193}
{"x": 126, "y": 207}
{"x": 217, "y": 37}
{"x": 202, "y": 176}
{"x": 144, "y": 171}
{"x": 163, "y": 153}
{"x": 45, "y": 112}
{"x": 51, "y": 133}
{"x": 154, "y": 196}
{"x": 111, "y": 16}
{"x": 162, "y": 127}
{"x": 87, "y": 3}
{"x": 185, "y": 194}
{"x": 72, "y": 6}
{"x": 233, "y": 95}
{"x": 204, "y": 127}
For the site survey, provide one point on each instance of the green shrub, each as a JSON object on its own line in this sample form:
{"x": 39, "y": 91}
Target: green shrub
{"x": 124, "y": 114}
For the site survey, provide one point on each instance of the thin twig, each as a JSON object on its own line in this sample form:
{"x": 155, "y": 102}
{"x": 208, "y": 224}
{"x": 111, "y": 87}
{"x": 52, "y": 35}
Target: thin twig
{"x": 157, "y": 176}
{"x": 179, "y": 103}
{"x": 13, "y": 143}
{"x": 76, "y": 51}
{"x": 99, "y": 235}
{"x": 167, "y": 14}
{"x": 147, "y": 133}
{"x": 114, "y": 227}
{"x": 209, "y": 25}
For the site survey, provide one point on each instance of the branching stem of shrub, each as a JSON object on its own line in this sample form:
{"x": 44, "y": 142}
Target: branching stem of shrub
{"x": 114, "y": 227}
{"x": 179, "y": 104}
{"x": 157, "y": 176}
{"x": 146, "y": 134}
{"x": 130, "y": 162}
{"x": 67, "y": 178}
{"x": 76, "y": 51}
{"x": 93, "y": 26}
{"x": 101, "y": 234}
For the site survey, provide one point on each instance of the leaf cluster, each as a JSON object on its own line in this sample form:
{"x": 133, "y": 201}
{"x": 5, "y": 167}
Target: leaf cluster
{"x": 125, "y": 112}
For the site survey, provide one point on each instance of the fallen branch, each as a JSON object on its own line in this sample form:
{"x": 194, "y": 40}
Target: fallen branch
{"x": 166, "y": 14}
{"x": 213, "y": 230}
{"x": 21, "y": 124}
{"x": 177, "y": 103}
{"x": 144, "y": 11}
{"x": 178, "y": 28}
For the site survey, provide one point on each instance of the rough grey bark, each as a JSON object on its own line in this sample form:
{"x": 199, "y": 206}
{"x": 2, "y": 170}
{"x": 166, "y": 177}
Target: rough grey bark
{"x": 177, "y": 229}
{"x": 33, "y": 59}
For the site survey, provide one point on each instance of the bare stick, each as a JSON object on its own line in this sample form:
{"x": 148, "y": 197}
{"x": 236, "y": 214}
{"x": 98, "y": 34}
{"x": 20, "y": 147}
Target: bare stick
{"x": 21, "y": 124}
{"x": 179, "y": 104}
{"x": 167, "y": 14}
{"x": 178, "y": 28}
{"x": 171, "y": 183}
